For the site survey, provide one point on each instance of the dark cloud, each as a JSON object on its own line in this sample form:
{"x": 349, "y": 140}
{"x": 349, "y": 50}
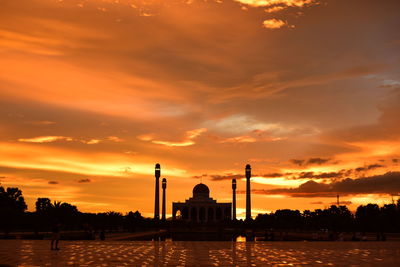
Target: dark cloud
{"x": 199, "y": 176}
{"x": 230, "y": 176}
{"x": 274, "y": 175}
{"x": 87, "y": 180}
{"x": 52, "y": 182}
{"x": 298, "y": 162}
{"x": 342, "y": 203}
{"x": 310, "y": 161}
{"x": 317, "y": 203}
{"x": 369, "y": 167}
{"x": 226, "y": 177}
{"x": 395, "y": 160}
{"x": 306, "y": 175}
{"x": 374, "y": 166}
{"x": 324, "y": 175}
{"x": 388, "y": 183}
{"x": 340, "y": 174}
{"x": 318, "y": 161}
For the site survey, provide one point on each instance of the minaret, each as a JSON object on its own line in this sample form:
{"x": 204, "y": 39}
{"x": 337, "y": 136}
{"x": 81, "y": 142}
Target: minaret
{"x": 164, "y": 186}
{"x": 234, "y": 199}
{"x": 248, "y": 200}
{"x": 157, "y": 197}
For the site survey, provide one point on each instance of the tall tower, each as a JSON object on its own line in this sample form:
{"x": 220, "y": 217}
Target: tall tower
{"x": 164, "y": 186}
{"x": 248, "y": 200}
{"x": 234, "y": 199}
{"x": 157, "y": 197}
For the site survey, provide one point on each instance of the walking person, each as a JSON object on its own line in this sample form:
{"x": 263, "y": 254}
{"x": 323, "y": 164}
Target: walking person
{"x": 55, "y": 236}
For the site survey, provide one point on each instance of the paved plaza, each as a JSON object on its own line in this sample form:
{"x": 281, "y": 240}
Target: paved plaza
{"x": 191, "y": 253}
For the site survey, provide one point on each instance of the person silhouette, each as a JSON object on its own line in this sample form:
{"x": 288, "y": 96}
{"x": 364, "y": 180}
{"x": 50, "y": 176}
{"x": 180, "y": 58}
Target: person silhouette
{"x": 102, "y": 235}
{"x": 55, "y": 236}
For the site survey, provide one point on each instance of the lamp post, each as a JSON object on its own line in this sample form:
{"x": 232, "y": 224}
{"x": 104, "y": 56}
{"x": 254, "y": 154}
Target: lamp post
{"x": 248, "y": 190}
{"x": 157, "y": 193}
{"x": 234, "y": 199}
{"x": 164, "y": 187}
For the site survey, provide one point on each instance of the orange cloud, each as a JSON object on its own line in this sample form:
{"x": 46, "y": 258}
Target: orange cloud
{"x": 274, "y": 9}
{"x": 43, "y": 122}
{"x": 240, "y": 139}
{"x": 49, "y": 139}
{"x": 172, "y": 144}
{"x": 49, "y": 81}
{"x": 273, "y": 23}
{"x": 188, "y": 141}
{"x": 115, "y": 139}
{"x": 146, "y": 137}
{"x": 278, "y": 181}
{"x": 56, "y": 159}
{"x": 42, "y": 188}
{"x": 92, "y": 141}
{"x": 285, "y": 3}
{"x": 195, "y": 133}
{"x": 375, "y": 148}
{"x": 44, "y": 139}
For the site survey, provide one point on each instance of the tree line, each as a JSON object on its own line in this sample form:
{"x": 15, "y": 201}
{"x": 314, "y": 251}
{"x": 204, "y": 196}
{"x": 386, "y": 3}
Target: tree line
{"x": 367, "y": 218}
{"x": 15, "y": 217}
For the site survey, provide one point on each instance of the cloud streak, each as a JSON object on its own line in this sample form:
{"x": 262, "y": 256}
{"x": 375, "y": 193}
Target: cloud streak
{"x": 44, "y": 139}
{"x": 388, "y": 183}
{"x": 188, "y": 140}
{"x": 281, "y": 3}
{"x": 50, "y": 139}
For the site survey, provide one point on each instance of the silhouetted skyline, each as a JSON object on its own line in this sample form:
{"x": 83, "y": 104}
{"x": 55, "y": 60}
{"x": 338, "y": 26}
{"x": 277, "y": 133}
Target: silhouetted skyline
{"x": 198, "y": 218}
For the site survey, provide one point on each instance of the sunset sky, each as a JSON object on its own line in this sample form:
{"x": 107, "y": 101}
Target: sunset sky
{"x": 93, "y": 93}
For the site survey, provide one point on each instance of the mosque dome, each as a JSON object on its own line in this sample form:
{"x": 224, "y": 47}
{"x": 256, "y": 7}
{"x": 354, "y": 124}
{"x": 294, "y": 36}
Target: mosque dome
{"x": 201, "y": 190}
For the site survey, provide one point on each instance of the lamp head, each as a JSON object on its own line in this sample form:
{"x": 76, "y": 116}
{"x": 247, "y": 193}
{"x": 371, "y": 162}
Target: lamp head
{"x": 158, "y": 170}
{"x": 164, "y": 183}
{"x": 248, "y": 171}
{"x": 233, "y": 184}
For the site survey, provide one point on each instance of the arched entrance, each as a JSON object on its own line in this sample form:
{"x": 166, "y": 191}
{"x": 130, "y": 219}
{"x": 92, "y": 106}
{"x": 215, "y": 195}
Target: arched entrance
{"x": 202, "y": 214}
{"x": 210, "y": 214}
{"x": 193, "y": 214}
{"x": 218, "y": 214}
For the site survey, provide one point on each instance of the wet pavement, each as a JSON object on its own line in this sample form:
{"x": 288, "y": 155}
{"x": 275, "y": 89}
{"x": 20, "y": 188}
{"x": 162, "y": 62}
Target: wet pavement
{"x": 192, "y": 253}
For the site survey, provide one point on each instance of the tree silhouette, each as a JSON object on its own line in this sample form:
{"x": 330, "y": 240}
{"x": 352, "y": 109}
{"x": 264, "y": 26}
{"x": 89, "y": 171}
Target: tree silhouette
{"x": 132, "y": 220}
{"x": 12, "y": 199}
{"x": 390, "y": 217}
{"x": 12, "y": 207}
{"x": 43, "y": 205}
{"x": 368, "y": 217}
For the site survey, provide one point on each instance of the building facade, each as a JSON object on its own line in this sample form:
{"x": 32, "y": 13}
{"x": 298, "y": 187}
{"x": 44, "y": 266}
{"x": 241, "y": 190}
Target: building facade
{"x": 201, "y": 207}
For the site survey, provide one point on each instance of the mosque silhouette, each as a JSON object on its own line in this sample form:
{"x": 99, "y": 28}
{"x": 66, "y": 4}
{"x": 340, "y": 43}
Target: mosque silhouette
{"x": 200, "y": 208}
